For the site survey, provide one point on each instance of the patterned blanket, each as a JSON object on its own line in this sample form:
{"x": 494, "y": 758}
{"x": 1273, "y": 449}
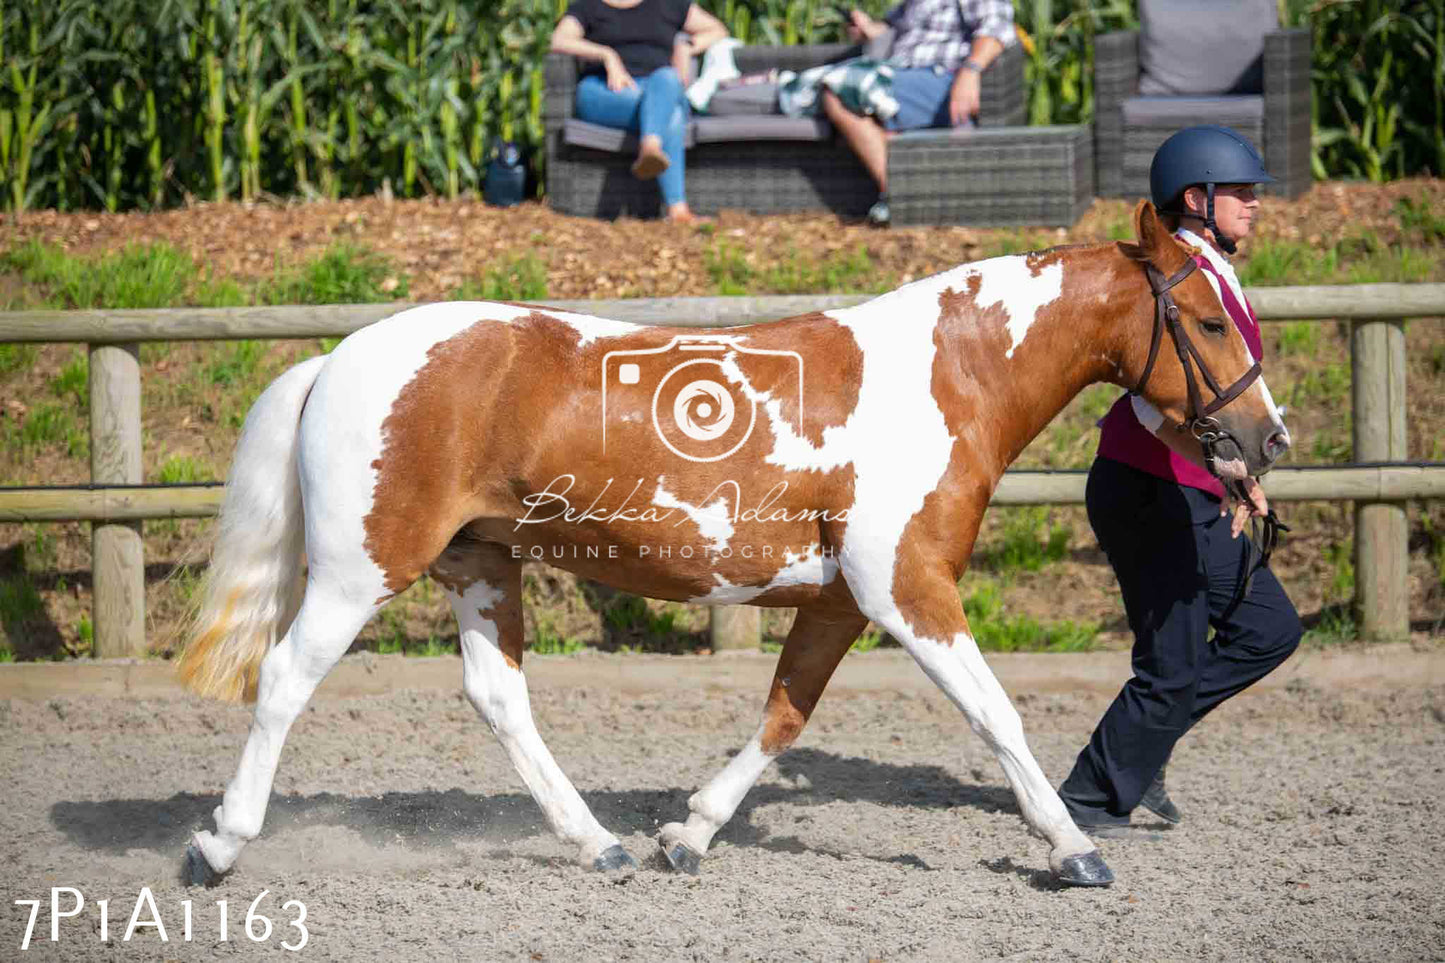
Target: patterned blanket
{"x": 864, "y": 85}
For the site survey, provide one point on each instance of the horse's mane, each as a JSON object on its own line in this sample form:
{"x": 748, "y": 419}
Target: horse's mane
{"x": 1063, "y": 247}
{"x": 1131, "y": 250}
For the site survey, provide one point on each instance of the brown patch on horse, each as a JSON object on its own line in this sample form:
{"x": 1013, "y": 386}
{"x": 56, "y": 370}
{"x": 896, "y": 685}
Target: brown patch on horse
{"x": 433, "y": 461}
{"x": 466, "y": 562}
{"x": 843, "y": 372}
{"x": 934, "y": 551}
{"x": 501, "y": 412}
{"x": 821, "y": 635}
{"x": 993, "y": 410}
{"x": 969, "y": 339}
{"x": 506, "y": 614}
{"x": 416, "y": 477}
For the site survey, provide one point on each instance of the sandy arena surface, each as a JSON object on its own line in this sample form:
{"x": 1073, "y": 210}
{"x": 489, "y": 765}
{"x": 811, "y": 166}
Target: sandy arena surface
{"x": 1311, "y": 811}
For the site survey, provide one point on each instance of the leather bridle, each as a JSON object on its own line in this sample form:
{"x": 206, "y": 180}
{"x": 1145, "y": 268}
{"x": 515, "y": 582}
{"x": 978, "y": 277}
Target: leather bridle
{"x": 1199, "y": 417}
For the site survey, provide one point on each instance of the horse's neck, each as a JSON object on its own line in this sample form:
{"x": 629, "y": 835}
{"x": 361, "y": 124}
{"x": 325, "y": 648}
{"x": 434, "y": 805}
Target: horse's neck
{"x": 1069, "y": 343}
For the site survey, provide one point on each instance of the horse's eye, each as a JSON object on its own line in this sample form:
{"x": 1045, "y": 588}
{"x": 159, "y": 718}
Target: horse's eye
{"x": 1214, "y": 326}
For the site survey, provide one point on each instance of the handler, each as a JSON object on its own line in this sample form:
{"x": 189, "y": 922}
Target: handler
{"x": 1161, "y": 519}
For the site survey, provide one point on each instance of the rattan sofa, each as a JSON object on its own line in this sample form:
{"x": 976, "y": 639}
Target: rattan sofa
{"x": 1128, "y": 128}
{"x": 763, "y": 165}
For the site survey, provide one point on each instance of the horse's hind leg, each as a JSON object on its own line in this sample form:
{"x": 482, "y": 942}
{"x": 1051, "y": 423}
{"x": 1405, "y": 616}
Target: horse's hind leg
{"x": 819, "y": 639}
{"x": 324, "y": 628}
{"x": 484, "y": 585}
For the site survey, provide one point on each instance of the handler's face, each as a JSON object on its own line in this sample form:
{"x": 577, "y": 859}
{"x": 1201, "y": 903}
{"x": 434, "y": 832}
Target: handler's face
{"x": 1234, "y": 207}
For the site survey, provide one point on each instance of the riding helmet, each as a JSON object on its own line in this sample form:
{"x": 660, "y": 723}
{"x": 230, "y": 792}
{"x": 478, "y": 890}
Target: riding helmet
{"x": 1205, "y": 155}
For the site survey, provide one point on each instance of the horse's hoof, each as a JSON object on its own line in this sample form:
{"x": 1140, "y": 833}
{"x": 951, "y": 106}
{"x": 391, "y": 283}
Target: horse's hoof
{"x": 680, "y": 857}
{"x": 195, "y": 871}
{"x": 614, "y": 858}
{"x": 1087, "y": 869}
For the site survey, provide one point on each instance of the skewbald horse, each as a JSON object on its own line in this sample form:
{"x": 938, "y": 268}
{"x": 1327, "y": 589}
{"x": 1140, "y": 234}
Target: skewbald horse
{"x": 838, "y": 462}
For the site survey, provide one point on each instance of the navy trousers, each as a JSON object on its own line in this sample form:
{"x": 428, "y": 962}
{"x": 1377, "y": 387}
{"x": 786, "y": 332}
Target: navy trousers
{"x": 1179, "y": 572}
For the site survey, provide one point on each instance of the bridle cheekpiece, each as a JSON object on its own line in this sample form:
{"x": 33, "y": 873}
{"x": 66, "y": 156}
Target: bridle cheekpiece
{"x": 1199, "y": 417}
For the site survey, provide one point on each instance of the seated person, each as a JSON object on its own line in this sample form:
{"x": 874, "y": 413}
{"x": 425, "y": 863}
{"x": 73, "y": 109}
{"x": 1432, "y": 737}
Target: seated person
{"x": 940, "y": 50}
{"x": 642, "y": 67}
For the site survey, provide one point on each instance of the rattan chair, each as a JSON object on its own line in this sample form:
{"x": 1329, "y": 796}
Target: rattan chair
{"x": 1128, "y": 128}
{"x": 762, "y": 165}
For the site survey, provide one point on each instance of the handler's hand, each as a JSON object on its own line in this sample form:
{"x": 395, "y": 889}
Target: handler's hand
{"x": 964, "y": 99}
{"x": 1256, "y": 506}
{"x": 617, "y": 76}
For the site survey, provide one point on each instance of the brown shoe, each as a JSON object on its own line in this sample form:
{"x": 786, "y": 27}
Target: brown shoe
{"x": 689, "y": 219}
{"x": 650, "y": 162}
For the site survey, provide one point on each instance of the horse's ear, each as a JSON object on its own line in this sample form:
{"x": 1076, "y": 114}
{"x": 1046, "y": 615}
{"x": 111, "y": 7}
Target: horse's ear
{"x": 1147, "y": 227}
{"x": 1156, "y": 244}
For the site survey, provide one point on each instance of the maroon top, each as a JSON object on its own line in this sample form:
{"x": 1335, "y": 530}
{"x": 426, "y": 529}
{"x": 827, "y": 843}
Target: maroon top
{"x": 1127, "y": 441}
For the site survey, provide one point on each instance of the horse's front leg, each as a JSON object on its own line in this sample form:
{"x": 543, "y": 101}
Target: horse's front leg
{"x": 922, "y": 610}
{"x": 820, "y": 637}
{"x": 484, "y": 587}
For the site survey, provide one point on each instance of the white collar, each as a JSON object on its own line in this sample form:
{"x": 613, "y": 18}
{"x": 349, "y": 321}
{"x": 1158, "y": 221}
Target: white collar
{"x": 1216, "y": 260}
{"x": 1211, "y": 254}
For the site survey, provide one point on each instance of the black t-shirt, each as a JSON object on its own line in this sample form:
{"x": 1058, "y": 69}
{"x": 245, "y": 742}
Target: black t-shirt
{"x": 642, "y": 35}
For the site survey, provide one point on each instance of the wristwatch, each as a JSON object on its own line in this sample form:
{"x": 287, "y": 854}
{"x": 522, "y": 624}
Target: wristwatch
{"x": 971, "y": 65}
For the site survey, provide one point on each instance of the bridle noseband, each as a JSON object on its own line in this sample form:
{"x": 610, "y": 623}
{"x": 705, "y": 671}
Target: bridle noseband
{"x": 1199, "y": 417}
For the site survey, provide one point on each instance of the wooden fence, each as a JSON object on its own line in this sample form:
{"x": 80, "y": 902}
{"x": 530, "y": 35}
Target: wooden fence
{"x": 116, "y": 502}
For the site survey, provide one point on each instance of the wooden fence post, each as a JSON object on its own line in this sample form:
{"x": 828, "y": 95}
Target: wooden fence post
{"x": 118, "y": 554}
{"x": 1377, "y": 355}
{"x": 736, "y": 627}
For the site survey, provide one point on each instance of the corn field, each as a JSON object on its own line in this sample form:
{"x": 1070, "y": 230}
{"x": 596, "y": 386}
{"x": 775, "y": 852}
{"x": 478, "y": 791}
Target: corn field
{"x": 148, "y": 103}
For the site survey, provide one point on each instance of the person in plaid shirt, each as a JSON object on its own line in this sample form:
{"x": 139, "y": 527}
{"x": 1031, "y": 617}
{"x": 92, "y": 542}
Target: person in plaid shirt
{"x": 940, "y": 50}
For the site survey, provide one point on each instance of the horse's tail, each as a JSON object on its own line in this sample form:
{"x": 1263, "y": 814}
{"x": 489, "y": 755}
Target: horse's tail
{"x": 253, "y": 588}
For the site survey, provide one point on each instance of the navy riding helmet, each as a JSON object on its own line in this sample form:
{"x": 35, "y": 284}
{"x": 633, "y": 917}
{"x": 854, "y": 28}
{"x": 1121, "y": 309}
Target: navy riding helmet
{"x": 1205, "y": 155}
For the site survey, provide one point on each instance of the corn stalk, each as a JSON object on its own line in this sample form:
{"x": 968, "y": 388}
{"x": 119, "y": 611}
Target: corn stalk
{"x": 141, "y": 103}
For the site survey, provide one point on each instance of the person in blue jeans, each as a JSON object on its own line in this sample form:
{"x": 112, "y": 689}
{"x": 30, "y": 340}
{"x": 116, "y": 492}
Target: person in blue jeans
{"x": 643, "y": 52}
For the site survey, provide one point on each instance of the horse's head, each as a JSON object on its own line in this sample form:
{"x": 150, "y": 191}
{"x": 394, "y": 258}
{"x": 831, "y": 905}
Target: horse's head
{"x": 1191, "y": 362}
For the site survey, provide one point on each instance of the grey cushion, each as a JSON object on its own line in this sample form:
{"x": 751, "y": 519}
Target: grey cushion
{"x": 1242, "y": 111}
{"x": 581, "y": 133}
{"x": 744, "y": 100}
{"x": 1194, "y": 47}
{"x": 777, "y": 127}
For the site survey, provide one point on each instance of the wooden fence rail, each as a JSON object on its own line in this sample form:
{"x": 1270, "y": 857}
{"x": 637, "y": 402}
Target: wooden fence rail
{"x": 1319, "y": 302}
{"x": 116, "y": 502}
{"x": 133, "y": 503}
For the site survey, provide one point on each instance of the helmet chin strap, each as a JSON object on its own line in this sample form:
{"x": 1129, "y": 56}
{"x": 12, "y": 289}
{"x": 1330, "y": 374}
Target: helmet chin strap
{"x": 1226, "y": 243}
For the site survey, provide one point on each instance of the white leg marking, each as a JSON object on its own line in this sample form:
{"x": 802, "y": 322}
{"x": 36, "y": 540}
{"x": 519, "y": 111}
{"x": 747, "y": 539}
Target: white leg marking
{"x": 961, "y": 672}
{"x": 499, "y": 693}
{"x": 715, "y": 803}
{"x": 323, "y": 630}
